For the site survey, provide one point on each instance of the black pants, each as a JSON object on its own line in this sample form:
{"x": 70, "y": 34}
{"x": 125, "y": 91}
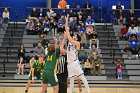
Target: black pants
{"x": 62, "y": 79}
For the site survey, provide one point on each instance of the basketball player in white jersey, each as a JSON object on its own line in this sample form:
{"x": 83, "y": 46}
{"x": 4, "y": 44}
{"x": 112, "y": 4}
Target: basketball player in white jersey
{"x": 74, "y": 68}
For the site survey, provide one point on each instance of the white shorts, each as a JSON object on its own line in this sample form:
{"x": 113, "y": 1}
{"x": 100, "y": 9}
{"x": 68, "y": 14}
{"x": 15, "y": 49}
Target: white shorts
{"x": 74, "y": 69}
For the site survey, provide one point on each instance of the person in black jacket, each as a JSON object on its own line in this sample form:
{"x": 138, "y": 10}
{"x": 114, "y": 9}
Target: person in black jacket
{"x": 41, "y": 13}
{"x": 21, "y": 59}
{"x": 88, "y": 7}
{"x": 34, "y": 13}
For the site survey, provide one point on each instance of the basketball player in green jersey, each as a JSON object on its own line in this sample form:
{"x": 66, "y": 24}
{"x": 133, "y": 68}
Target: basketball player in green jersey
{"x": 36, "y": 70}
{"x": 50, "y": 67}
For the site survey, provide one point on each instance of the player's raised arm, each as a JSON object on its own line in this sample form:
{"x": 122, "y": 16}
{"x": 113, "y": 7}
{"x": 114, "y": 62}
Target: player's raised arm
{"x": 63, "y": 42}
{"x": 76, "y": 43}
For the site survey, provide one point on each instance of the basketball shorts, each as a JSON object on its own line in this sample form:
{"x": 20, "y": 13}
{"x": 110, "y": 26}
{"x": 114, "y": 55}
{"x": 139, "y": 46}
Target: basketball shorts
{"x": 49, "y": 77}
{"x": 37, "y": 75}
{"x": 74, "y": 69}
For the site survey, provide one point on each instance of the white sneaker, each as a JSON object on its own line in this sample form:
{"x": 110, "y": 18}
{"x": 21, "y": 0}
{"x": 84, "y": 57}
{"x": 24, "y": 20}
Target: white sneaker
{"x": 22, "y": 73}
{"x": 129, "y": 57}
{"x": 18, "y": 73}
{"x": 118, "y": 77}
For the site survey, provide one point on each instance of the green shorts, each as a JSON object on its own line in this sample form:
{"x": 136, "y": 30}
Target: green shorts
{"x": 37, "y": 75}
{"x": 49, "y": 77}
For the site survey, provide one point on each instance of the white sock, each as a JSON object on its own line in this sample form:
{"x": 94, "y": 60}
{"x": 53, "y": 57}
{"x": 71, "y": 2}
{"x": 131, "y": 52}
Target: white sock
{"x": 71, "y": 84}
{"x": 85, "y": 83}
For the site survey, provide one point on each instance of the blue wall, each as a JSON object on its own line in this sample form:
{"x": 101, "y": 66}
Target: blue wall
{"x": 19, "y": 6}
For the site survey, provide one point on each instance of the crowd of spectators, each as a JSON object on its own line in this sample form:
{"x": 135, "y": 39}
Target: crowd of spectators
{"x": 130, "y": 29}
{"x": 44, "y": 23}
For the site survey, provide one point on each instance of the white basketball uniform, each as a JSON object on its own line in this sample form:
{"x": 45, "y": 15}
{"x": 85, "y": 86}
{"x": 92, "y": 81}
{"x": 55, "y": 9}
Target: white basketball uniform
{"x": 74, "y": 68}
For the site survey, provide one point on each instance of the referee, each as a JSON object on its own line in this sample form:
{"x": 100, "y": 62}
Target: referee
{"x": 62, "y": 73}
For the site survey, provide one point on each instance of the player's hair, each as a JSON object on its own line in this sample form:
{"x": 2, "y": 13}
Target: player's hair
{"x": 51, "y": 48}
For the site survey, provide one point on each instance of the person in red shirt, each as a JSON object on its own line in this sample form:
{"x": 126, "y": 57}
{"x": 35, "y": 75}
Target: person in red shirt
{"x": 124, "y": 32}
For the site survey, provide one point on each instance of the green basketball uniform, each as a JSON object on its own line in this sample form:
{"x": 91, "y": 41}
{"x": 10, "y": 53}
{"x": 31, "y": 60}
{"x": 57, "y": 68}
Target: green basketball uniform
{"x": 50, "y": 67}
{"x": 38, "y": 67}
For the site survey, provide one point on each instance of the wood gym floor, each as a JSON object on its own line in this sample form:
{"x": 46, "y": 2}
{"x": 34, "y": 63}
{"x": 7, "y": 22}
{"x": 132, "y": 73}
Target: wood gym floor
{"x": 95, "y": 88}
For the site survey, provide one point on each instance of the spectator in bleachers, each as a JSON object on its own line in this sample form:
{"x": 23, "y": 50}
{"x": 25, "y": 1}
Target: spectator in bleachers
{"x": 131, "y": 21}
{"x": 80, "y": 20}
{"x": 90, "y": 21}
{"x": 121, "y": 17}
{"x": 134, "y": 45}
{"x": 48, "y": 12}
{"x": 72, "y": 13}
{"x": 82, "y": 55}
{"x": 80, "y": 12}
{"x": 30, "y": 28}
{"x": 113, "y": 18}
{"x": 45, "y": 42}
{"x": 62, "y": 4}
{"x": 124, "y": 31}
{"x": 63, "y": 13}
{"x": 83, "y": 41}
{"x": 38, "y": 27}
{"x": 46, "y": 24}
{"x": 131, "y": 13}
{"x": 51, "y": 21}
{"x": 34, "y": 13}
{"x": 96, "y": 64}
{"x": 93, "y": 51}
{"x": 127, "y": 50}
{"x": 61, "y": 27}
{"x": 88, "y": 7}
{"x": 132, "y": 31}
{"x": 55, "y": 16}
{"x": 21, "y": 59}
{"x": 89, "y": 32}
{"x": 54, "y": 28}
{"x": 94, "y": 39}
{"x": 21, "y": 51}
{"x": 119, "y": 6}
{"x": 82, "y": 28}
{"x": 39, "y": 50}
{"x": 119, "y": 70}
{"x": 73, "y": 24}
{"x": 5, "y": 15}
{"x": 41, "y": 14}
{"x": 20, "y": 66}
{"x": 87, "y": 67}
